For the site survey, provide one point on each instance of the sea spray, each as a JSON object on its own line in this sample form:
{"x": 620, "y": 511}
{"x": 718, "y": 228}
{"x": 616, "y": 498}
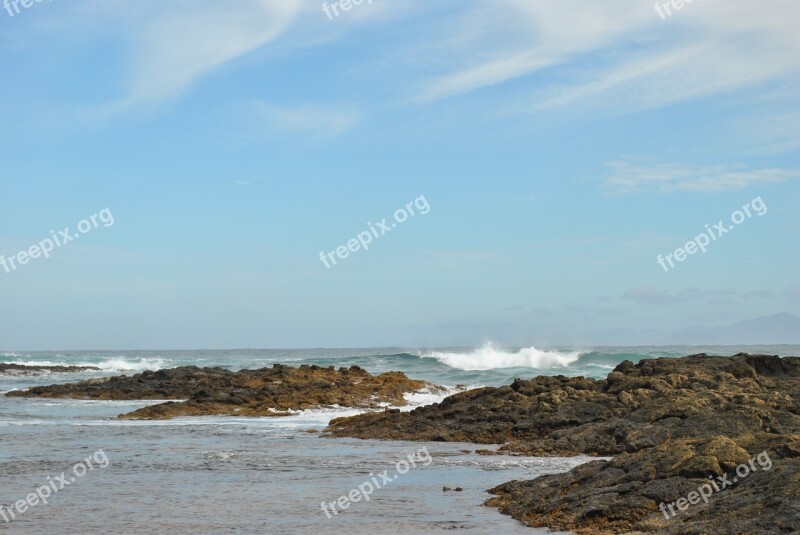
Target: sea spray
{"x": 489, "y": 357}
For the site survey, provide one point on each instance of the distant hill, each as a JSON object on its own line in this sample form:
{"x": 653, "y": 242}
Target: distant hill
{"x": 783, "y": 328}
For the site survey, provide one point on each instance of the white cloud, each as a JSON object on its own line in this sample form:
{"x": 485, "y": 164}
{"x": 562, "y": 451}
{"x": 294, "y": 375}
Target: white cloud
{"x": 491, "y": 73}
{"x": 245, "y": 184}
{"x": 629, "y": 176}
{"x": 648, "y": 295}
{"x": 526, "y": 37}
{"x": 651, "y": 296}
{"x": 637, "y": 60}
{"x": 615, "y": 55}
{"x": 793, "y": 294}
{"x": 778, "y": 128}
{"x": 185, "y": 40}
{"x": 316, "y": 119}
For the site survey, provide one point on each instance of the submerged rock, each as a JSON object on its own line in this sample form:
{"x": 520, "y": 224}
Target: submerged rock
{"x": 672, "y": 424}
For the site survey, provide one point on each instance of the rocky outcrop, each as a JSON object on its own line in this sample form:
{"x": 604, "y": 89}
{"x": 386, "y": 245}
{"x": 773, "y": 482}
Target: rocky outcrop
{"x": 176, "y": 383}
{"x": 265, "y": 392}
{"x": 640, "y": 492}
{"x": 670, "y": 423}
{"x": 23, "y": 369}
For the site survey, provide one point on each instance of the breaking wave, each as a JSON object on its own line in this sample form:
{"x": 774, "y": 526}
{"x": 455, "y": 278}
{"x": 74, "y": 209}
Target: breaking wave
{"x": 489, "y": 357}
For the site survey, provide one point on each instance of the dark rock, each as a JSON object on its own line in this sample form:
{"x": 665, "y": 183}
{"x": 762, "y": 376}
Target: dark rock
{"x": 670, "y": 423}
{"x": 23, "y": 369}
{"x": 266, "y": 392}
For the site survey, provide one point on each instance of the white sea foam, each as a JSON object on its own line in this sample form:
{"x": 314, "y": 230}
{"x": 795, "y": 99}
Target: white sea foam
{"x": 603, "y": 366}
{"x": 121, "y": 365}
{"x": 296, "y": 419}
{"x": 489, "y": 357}
{"x": 305, "y": 419}
{"x": 426, "y": 397}
{"x": 540, "y": 465}
{"x": 132, "y": 403}
{"x": 113, "y": 364}
{"x": 36, "y": 362}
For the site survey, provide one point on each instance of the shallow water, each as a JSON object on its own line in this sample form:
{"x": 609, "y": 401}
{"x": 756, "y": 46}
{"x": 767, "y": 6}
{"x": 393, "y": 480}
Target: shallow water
{"x": 236, "y": 475}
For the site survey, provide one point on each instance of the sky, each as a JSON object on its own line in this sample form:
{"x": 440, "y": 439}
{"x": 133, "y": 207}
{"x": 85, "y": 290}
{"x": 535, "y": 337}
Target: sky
{"x": 550, "y": 152}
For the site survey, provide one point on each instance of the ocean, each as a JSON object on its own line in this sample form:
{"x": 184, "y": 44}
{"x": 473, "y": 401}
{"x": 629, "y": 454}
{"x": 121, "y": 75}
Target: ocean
{"x": 210, "y": 475}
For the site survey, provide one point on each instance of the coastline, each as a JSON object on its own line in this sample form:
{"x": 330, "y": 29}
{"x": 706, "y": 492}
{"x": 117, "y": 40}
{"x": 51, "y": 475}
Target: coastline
{"x": 653, "y": 420}
{"x": 669, "y": 423}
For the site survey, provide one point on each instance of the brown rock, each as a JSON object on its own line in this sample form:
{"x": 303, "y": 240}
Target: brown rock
{"x": 671, "y": 423}
{"x": 23, "y": 369}
{"x": 265, "y": 392}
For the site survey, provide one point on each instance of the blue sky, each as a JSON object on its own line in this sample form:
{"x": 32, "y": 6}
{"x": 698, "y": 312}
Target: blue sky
{"x": 561, "y": 147}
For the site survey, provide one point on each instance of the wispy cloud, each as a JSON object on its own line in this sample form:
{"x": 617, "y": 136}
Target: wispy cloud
{"x": 319, "y": 119}
{"x": 629, "y": 176}
{"x": 778, "y": 129}
{"x": 793, "y": 294}
{"x": 648, "y": 295}
{"x": 616, "y": 54}
{"x": 246, "y": 184}
{"x": 651, "y": 296}
{"x": 759, "y": 294}
{"x": 711, "y": 48}
{"x": 487, "y": 74}
{"x": 173, "y": 47}
{"x": 518, "y": 38}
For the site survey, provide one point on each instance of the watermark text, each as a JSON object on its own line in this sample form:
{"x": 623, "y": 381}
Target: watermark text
{"x": 712, "y": 233}
{"x": 63, "y": 237}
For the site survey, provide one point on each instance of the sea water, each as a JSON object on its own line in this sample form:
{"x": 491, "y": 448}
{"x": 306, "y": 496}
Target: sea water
{"x": 268, "y": 475}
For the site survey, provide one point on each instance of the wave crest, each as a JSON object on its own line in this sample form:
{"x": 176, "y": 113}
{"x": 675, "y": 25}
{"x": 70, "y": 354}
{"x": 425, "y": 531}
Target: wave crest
{"x": 488, "y": 357}
{"x": 123, "y": 365}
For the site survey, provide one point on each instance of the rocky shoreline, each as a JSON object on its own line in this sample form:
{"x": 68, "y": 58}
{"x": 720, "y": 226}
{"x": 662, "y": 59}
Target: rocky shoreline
{"x": 265, "y": 392}
{"x": 670, "y": 423}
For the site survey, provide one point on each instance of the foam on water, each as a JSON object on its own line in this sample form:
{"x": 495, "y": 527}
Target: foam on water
{"x": 489, "y": 357}
{"x": 114, "y": 364}
{"x": 122, "y": 365}
{"x": 426, "y": 397}
{"x": 305, "y": 419}
{"x": 603, "y": 366}
{"x": 206, "y": 474}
